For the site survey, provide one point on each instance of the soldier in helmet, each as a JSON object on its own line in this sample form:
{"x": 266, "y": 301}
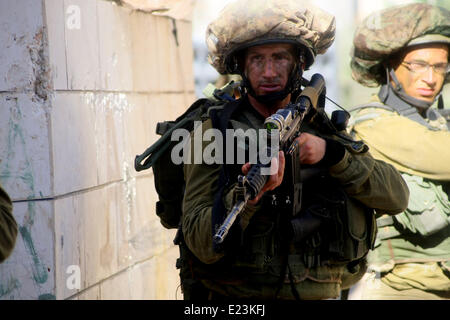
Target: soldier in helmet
{"x": 266, "y": 255}
{"x": 405, "y": 50}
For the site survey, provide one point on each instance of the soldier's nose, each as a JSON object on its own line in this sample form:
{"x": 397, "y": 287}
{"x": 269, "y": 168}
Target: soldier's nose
{"x": 269, "y": 70}
{"x": 429, "y": 77}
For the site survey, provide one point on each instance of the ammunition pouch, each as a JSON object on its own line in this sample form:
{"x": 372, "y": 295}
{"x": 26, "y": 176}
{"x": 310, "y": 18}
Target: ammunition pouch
{"x": 428, "y": 210}
{"x": 332, "y": 228}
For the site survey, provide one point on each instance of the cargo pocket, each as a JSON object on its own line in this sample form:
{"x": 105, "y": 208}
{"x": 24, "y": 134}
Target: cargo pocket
{"x": 258, "y": 248}
{"x": 361, "y": 230}
{"x": 355, "y": 228}
{"x": 428, "y": 207}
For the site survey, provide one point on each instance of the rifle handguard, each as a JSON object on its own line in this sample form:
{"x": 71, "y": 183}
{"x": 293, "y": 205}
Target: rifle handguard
{"x": 255, "y": 181}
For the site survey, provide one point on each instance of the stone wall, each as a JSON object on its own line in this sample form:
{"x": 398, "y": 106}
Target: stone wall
{"x": 82, "y": 85}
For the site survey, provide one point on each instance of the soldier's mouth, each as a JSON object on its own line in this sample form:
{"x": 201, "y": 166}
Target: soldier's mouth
{"x": 270, "y": 87}
{"x": 425, "y": 92}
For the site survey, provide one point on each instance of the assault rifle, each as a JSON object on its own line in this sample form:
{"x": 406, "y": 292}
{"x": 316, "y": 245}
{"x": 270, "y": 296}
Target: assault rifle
{"x": 285, "y": 124}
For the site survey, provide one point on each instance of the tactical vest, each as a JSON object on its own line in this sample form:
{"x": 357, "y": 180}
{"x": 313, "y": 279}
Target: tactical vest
{"x": 422, "y": 232}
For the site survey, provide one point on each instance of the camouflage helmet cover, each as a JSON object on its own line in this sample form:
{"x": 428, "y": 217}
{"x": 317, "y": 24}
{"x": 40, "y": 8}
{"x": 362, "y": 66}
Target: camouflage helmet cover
{"x": 386, "y": 32}
{"x": 245, "y": 23}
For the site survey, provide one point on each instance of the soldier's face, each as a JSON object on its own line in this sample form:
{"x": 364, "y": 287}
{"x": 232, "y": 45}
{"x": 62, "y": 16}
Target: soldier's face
{"x": 268, "y": 67}
{"x": 419, "y": 71}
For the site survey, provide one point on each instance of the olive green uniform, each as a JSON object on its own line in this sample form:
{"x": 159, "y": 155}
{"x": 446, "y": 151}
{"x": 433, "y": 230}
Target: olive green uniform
{"x": 412, "y": 253}
{"x": 366, "y": 180}
{"x": 8, "y": 226}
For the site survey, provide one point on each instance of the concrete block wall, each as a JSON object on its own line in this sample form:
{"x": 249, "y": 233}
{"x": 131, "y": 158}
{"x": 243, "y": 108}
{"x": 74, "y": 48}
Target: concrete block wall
{"x": 82, "y": 85}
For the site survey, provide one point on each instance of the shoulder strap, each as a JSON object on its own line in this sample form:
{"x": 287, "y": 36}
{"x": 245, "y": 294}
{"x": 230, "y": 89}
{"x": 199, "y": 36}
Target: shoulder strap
{"x": 361, "y": 118}
{"x": 373, "y": 104}
{"x": 403, "y": 110}
{"x": 227, "y": 92}
{"x": 220, "y": 122}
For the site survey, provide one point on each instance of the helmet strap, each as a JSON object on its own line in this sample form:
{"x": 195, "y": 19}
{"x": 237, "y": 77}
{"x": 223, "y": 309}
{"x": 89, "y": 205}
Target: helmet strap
{"x": 440, "y": 102}
{"x": 384, "y": 93}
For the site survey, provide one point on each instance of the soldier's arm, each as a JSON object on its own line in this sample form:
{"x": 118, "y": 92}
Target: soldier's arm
{"x": 373, "y": 182}
{"x": 201, "y": 185}
{"x": 8, "y": 226}
{"x": 407, "y": 145}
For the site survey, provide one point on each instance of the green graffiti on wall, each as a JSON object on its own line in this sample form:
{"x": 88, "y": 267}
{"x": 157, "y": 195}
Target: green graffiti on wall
{"x": 16, "y": 142}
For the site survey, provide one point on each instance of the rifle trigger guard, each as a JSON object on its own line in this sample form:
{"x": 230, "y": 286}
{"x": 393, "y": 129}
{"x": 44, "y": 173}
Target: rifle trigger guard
{"x": 240, "y": 189}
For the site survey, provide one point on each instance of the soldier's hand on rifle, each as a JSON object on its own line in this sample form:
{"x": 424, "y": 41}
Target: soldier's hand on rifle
{"x": 312, "y": 148}
{"x": 274, "y": 180}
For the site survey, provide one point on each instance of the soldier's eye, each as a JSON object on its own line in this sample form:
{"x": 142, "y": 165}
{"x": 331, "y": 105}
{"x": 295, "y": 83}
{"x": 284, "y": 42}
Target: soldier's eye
{"x": 442, "y": 67}
{"x": 419, "y": 66}
{"x": 256, "y": 59}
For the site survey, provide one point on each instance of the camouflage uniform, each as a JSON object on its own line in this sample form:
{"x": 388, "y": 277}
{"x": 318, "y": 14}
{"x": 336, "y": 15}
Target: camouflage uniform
{"x": 8, "y": 226}
{"x": 411, "y": 259}
{"x": 260, "y": 261}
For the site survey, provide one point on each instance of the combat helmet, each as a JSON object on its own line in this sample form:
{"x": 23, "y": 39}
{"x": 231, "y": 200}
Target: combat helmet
{"x": 246, "y": 23}
{"x": 385, "y": 33}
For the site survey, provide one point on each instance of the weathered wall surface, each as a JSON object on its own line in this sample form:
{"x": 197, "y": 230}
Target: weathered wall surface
{"x": 82, "y": 85}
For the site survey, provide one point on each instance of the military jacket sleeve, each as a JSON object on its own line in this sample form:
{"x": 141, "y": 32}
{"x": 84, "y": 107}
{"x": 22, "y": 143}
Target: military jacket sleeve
{"x": 404, "y": 143}
{"x": 8, "y": 226}
{"x": 374, "y": 183}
